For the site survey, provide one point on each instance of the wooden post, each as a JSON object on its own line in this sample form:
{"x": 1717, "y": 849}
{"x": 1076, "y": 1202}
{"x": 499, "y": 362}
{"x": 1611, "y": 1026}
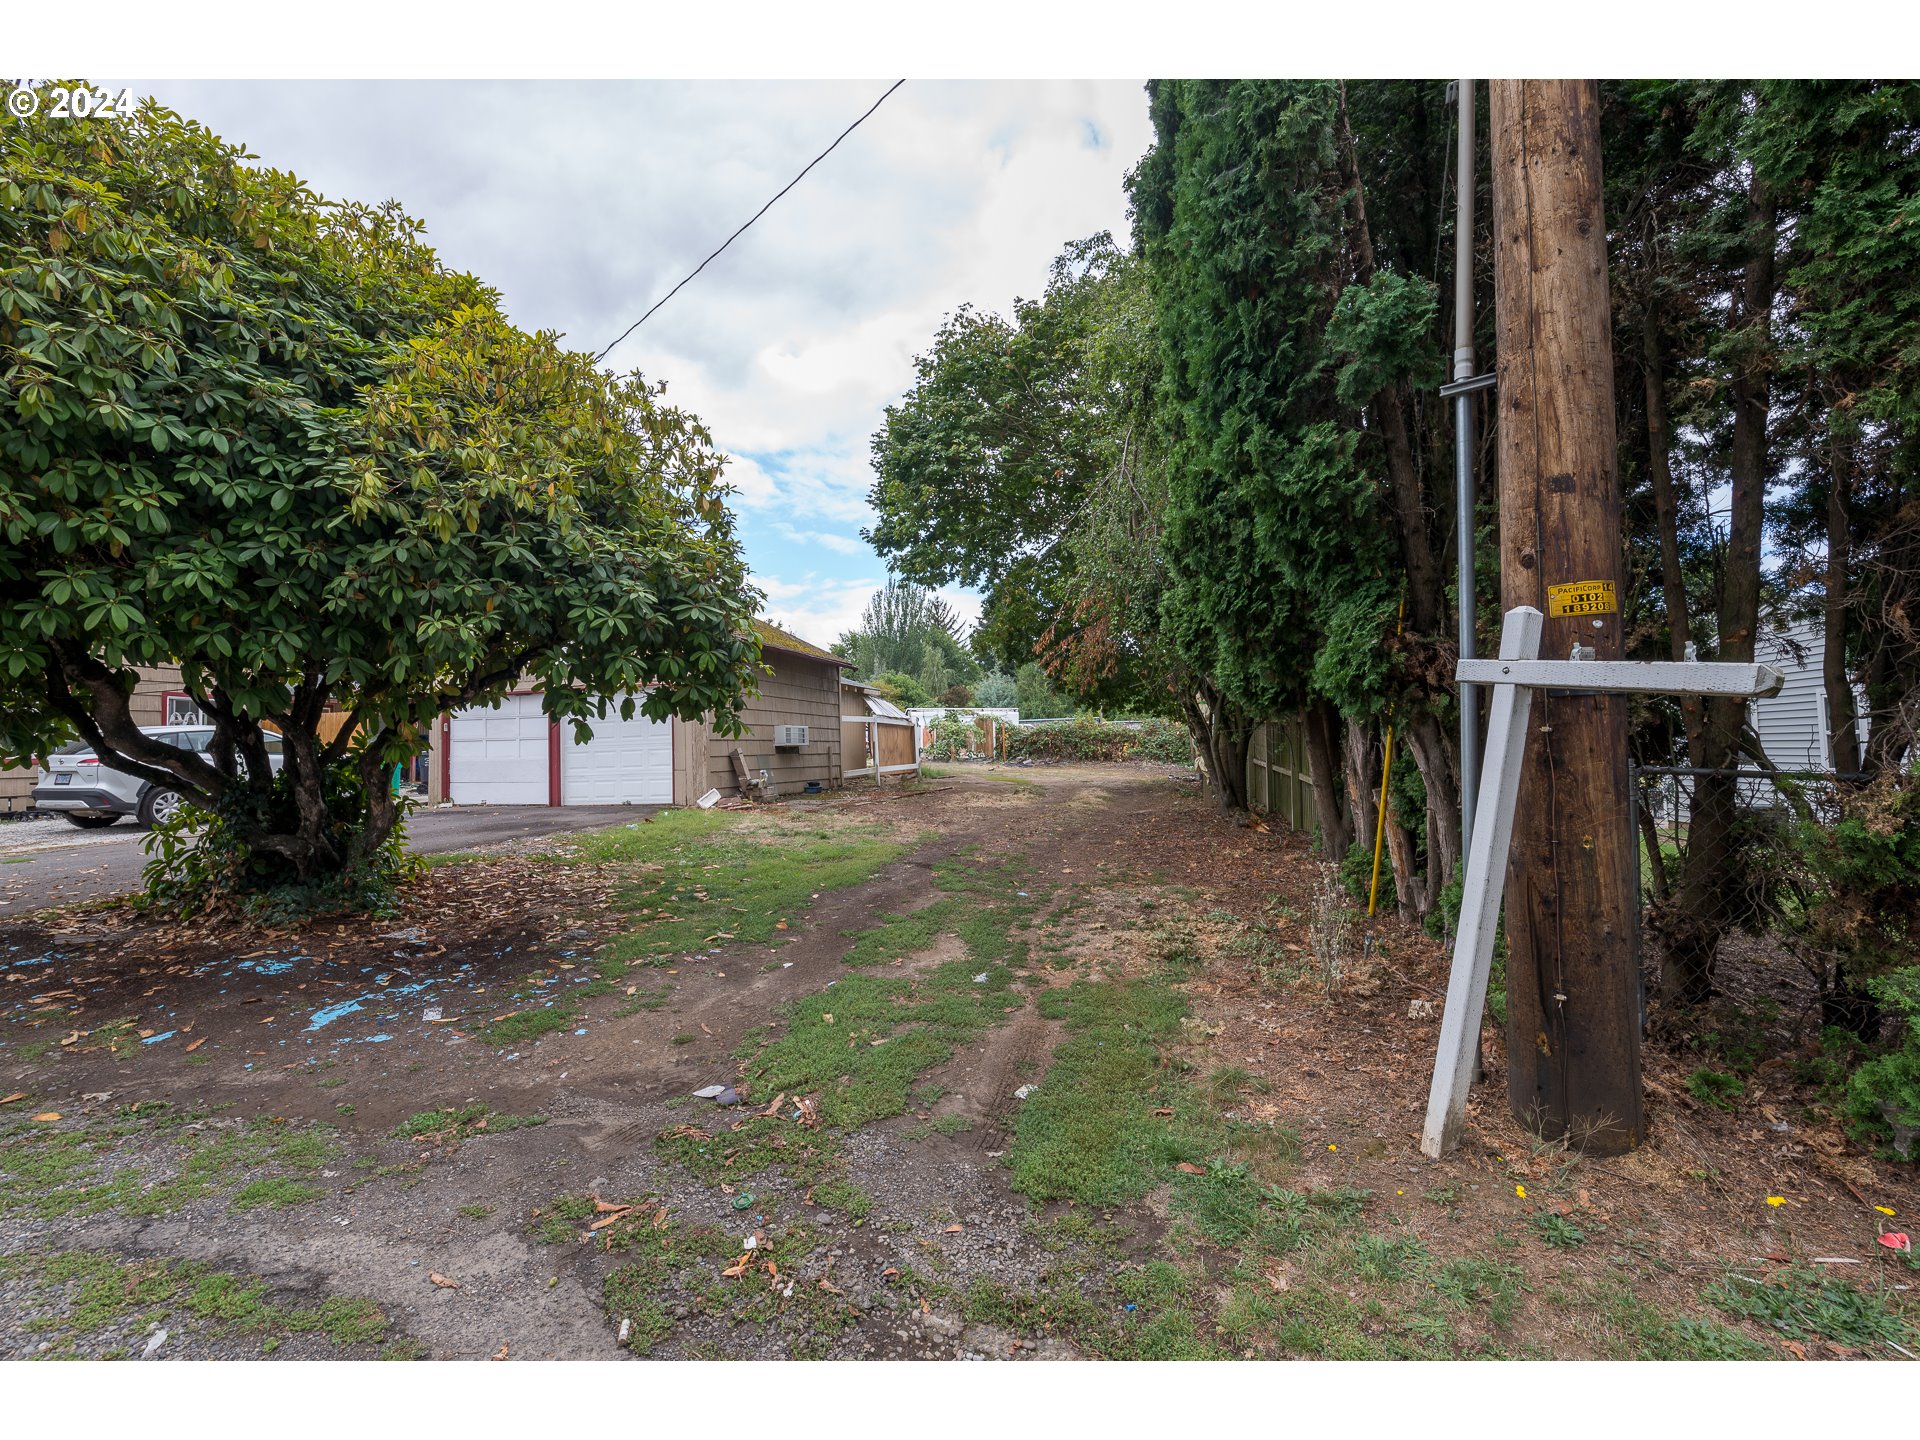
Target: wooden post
{"x": 1485, "y": 879}
{"x": 1573, "y": 981}
{"x": 1514, "y": 678}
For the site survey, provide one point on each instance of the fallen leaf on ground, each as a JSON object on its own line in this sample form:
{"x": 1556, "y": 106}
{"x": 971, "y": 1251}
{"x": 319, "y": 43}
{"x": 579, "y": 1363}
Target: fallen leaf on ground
{"x": 194, "y": 1045}
{"x": 1186, "y": 1168}
{"x": 17, "y": 1095}
{"x": 445, "y": 1282}
{"x": 831, "y": 1288}
{"x": 660, "y": 1219}
{"x": 1164, "y": 1110}
{"x": 739, "y": 1267}
{"x": 953, "y": 1230}
{"x": 48, "y": 1116}
{"x": 607, "y": 1207}
{"x": 501, "y": 1353}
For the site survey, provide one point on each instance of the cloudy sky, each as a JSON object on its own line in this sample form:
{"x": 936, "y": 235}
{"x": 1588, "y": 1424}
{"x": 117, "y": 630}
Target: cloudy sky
{"x": 583, "y": 203}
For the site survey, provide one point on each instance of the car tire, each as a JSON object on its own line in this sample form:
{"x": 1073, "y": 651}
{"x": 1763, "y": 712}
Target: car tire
{"x": 90, "y": 822}
{"x": 157, "y": 804}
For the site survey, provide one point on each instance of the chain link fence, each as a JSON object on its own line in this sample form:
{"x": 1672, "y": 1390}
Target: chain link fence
{"x": 1726, "y": 870}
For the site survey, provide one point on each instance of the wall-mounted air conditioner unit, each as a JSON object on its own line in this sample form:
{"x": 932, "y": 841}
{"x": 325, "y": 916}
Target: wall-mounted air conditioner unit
{"x": 789, "y": 737}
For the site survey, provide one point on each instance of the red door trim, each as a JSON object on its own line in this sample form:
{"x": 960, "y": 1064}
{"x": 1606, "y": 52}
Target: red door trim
{"x": 674, "y": 738}
{"x": 553, "y": 762}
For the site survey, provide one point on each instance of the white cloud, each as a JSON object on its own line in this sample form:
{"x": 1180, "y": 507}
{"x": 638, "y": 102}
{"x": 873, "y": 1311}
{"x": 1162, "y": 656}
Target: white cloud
{"x": 839, "y": 544}
{"x": 816, "y": 608}
{"x": 583, "y": 203}
{"x": 822, "y": 609}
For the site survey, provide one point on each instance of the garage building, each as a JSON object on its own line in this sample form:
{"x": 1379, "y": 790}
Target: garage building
{"x": 512, "y": 754}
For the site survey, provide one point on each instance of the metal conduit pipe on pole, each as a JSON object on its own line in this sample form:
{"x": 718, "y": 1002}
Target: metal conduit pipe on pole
{"x": 1463, "y": 458}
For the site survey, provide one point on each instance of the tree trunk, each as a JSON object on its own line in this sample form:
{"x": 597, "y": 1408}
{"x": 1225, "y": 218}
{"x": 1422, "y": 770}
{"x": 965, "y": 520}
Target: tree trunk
{"x": 1360, "y": 772}
{"x": 1843, "y": 726}
{"x": 1221, "y": 733}
{"x": 1429, "y": 743}
{"x": 1409, "y": 889}
{"x": 1698, "y": 915}
{"x": 1320, "y": 723}
{"x": 1572, "y": 973}
{"x": 1673, "y": 582}
{"x": 1426, "y": 594}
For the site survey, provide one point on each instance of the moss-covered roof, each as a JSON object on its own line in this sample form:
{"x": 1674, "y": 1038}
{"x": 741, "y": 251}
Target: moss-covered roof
{"x": 772, "y": 637}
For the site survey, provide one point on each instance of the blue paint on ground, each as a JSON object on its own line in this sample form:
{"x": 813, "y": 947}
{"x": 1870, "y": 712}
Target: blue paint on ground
{"x": 268, "y": 966}
{"x": 320, "y": 1019}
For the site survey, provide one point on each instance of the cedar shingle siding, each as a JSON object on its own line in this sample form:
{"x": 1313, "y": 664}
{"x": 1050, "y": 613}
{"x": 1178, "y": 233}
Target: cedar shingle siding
{"x": 800, "y": 691}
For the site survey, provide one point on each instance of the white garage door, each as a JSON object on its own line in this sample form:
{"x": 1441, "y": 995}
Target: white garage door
{"x": 498, "y": 756}
{"x": 628, "y": 762}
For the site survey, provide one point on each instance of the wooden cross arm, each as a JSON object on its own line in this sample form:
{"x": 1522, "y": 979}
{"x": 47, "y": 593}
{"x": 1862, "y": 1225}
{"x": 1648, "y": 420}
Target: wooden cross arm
{"x": 1631, "y": 677}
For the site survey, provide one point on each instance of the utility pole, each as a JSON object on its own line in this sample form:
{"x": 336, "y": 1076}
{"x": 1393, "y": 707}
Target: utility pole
{"x": 1463, "y": 479}
{"x": 1573, "y": 980}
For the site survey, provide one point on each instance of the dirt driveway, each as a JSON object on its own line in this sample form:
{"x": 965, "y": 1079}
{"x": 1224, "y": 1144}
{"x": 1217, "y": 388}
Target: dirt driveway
{"x": 1017, "y": 1064}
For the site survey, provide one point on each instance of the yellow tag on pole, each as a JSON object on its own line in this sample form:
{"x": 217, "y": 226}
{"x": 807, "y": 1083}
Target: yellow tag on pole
{"x": 1583, "y": 597}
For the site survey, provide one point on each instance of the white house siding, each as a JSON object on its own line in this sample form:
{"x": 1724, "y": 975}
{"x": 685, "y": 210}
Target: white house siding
{"x": 1793, "y": 725}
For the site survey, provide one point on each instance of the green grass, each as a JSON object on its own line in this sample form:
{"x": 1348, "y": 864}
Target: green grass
{"x": 1636, "y": 1330}
{"x": 95, "y": 1292}
{"x": 709, "y": 879}
{"x": 1716, "y": 1087}
{"x": 1469, "y": 1282}
{"x": 524, "y": 1025}
{"x": 1557, "y": 1230}
{"x": 1803, "y": 1304}
{"x": 971, "y": 772}
{"x": 1089, "y": 1132}
{"x": 562, "y": 1219}
{"x": 666, "y": 1262}
{"x": 277, "y": 1194}
{"x": 451, "y": 1125}
{"x": 862, "y": 1044}
{"x": 61, "y": 1173}
{"x": 941, "y": 1125}
{"x": 980, "y": 905}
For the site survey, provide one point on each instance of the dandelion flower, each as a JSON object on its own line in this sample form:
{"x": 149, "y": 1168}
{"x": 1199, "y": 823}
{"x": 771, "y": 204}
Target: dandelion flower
{"x": 1521, "y": 1191}
{"x": 1333, "y": 1147}
{"x": 1776, "y": 1200}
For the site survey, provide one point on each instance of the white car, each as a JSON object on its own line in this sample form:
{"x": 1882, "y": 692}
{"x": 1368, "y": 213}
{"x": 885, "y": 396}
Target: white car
{"x": 92, "y": 794}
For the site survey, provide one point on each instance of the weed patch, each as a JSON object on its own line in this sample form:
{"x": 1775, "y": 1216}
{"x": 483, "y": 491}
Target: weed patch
{"x": 93, "y": 1292}
{"x": 703, "y": 876}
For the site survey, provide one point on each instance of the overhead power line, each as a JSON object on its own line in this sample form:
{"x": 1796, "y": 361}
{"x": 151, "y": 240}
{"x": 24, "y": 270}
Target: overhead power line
{"x": 756, "y": 215}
